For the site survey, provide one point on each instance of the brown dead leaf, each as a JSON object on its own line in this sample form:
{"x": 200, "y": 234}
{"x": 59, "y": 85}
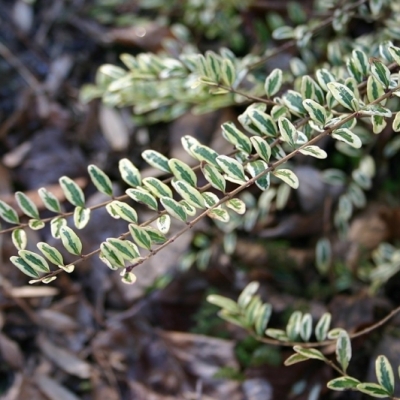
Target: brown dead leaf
{"x": 64, "y": 359}
{"x": 56, "y": 320}
{"x": 53, "y": 390}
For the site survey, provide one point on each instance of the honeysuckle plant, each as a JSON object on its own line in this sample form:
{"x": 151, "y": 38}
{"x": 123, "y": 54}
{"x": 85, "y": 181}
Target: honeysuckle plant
{"x": 349, "y": 95}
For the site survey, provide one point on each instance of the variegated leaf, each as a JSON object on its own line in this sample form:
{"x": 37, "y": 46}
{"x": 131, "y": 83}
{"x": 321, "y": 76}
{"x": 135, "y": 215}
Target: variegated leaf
{"x": 156, "y": 187}
{"x": 213, "y": 176}
{"x": 347, "y": 136}
{"x": 36, "y": 224}
{"x": 384, "y": 374}
{"x": 24, "y": 267}
{"x": 273, "y": 82}
{"x": 263, "y": 122}
{"x": 124, "y": 211}
{"x": 236, "y": 205}
{"x": 287, "y": 176}
{"x": 324, "y": 77}
{"x": 380, "y": 71}
{"x": 228, "y": 72}
{"x": 51, "y": 253}
{"x": 236, "y": 137}
{"x": 306, "y": 327}
{"x": 100, "y": 180}
{"x": 293, "y": 326}
{"x": 70, "y": 240}
{"x": 232, "y": 167}
{"x": 189, "y": 194}
{"x": 257, "y": 167}
{"x": 19, "y": 239}
{"x": 219, "y": 214}
{"x": 143, "y": 196}
{"x": 322, "y": 327}
{"x": 8, "y": 213}
{"x": 72, "y": 191}
{"x": 294, "y": 102}
{"x": 156, "y": 236}
{"x": 287, "y": 130}
{"x": 129, "y": 278}
{"x": 49, "y": 200}
{"x": 164, "y": 223}
{"x": 378, "y": 123}
{"x": 343, "y": 95}
{"x": 204, "y": 153}
{"x": 343, "y": 383}
{"x": 129, "y": 173}
{"x": 262, "y": 147}
{"x": 343, "y": 349}
{"x": 156, "y": 160}
{"x": 55, "y": 225}
{"x": 309, "y": 353}
{"x": 140, "y": 236}
{"x": 316, "y": 111}
{"x": 81, "y": 217}
{"x": 210, "y": 199}
{"x": 112, "y": 254}
{"x": 37, "y": 262}
{"x": 294, "y": 359}
{"x": 182, "y": 171}
{"x": 27, "y": 206}
{"x": 126, "y": 248}
{"x": 373, "y": 389}
{"x": 313, "y": 151}
{"x": 173, "y": 208}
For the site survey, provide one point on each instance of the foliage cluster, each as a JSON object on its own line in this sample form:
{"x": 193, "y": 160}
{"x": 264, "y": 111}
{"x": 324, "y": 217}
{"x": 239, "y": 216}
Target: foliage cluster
{"x": 338, "y": 89}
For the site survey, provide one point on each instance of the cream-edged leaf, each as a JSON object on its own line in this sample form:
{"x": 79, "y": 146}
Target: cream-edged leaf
{"x": 129, "y": 173}
{"x": 72, "y": 191}
{"x": 164, "y": 223}
{"x": 124, "y": 211}
{"x": 343, "y": 349}
{"x": 37, "y": 262}
{"x": 8, "y": 213}
{"x": 24, "y": 267}
{"x": 156, "y": 187}
{"x": 219, "y": 214}
{"x": 288, "y": 131}
{"x": 51, "y": 253}
{"x": 19, "y": 239}
{"x": 213, "y": 176}
{"x": 313, "y": 151}
{"x": 49, "y": 200}
{"x": 347, "y": 136}
{"x": 236, "y": 137}
{"x": 156, "y": 160}
{"x": 81, "y": 217}
{"x": 112, "y": 254}
{"x": 384, "y": 373}
{"x": 70, "y": 240}
{"x": 143, "y": 196}
{"x": 173, "y": 208}
{"x": 189, "y": 194}
{"x": 257, "y": 167}
{"x": 343, "y": 383}
{"x": 140, "y": 236}
{"x": 182, "y": 171}
{"x": 232, "y": 167}
{"x": 316, "y": 111}
{"x": 126, "y": 248}
{"x": 343, "y": 95}
{"x": 100, "y": 180}
{"x": 273, "y": 82}
{"x": 27, "y": 206}
{"x": 287, "y": 176}
{"x": 237, "y": 205}
{"x": 262, "y": 147}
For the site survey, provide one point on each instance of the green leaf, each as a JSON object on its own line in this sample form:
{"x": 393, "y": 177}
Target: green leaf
{"x": 263, "y": 122}
{"x": 100, "y": 180}
{"x": 228, "y": 72}
{"x": 223, "y": 302}
{"x": 156, "y": 187}
{"x": 294, "y": 102}
{"x": 287, "y": 176}
{"x": 51, "y": 253}
{"x": 189, "y": 194}
{"x": 384, "y": 373}
{"x": 262, "y": 318}
{"x": 273, "y": 82}
{"x": 19, "y": 239}
{"x": 70, "y": 240}
{"x": 343, "y": 349}
{"x": 126, "y": 248}
{"x": 380, "y": 71}
{"x": 373, "y": 389}
{"x": 8, "y": 213}
{"x": 49, "y": 200}
{"x": 322, "y": 326}
{"x": 247, "y": 294}
{"x": 236, "y": 137}
{"x": 309, "y": 353}
{"x": 37, "y": 262}
{"x": 262, "y": 147}
{"x": 287, "y": 130}
{"x": 140, "y": 236}
{"x": 347, "y": 136}
{"x": 129, "y": 173}
{"x": 314, "y": 151}
{"x": 112, "y": 254}
{"x": 182, "y": 171}
{"x": 55, "y": 225}
{"x": 294, "y": 359}
{"x": 143, "y": 196}
{"x": 156, "y": 160}
{"x": 316, "y": 111}
{"x": 27, "y": 206}
{"x": 306, "y": 327}
{"x": 343, "y": 383}
{"x": 219, "y": 214}
{"x": 343, "y": 95}
{"x": 81, "y": 217}
{"x": 72, "y": 191}
{"x": 173, "y": 208}
{"x": 323, "y": 255}
{"x": 257, "y": 167}
{"x": 232, "y": 167}
{"x": 204, "y": 153}
{"x": 236, "y": 205}
{"x": 24, "y": 267}
{"x": 293, "y": 326}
